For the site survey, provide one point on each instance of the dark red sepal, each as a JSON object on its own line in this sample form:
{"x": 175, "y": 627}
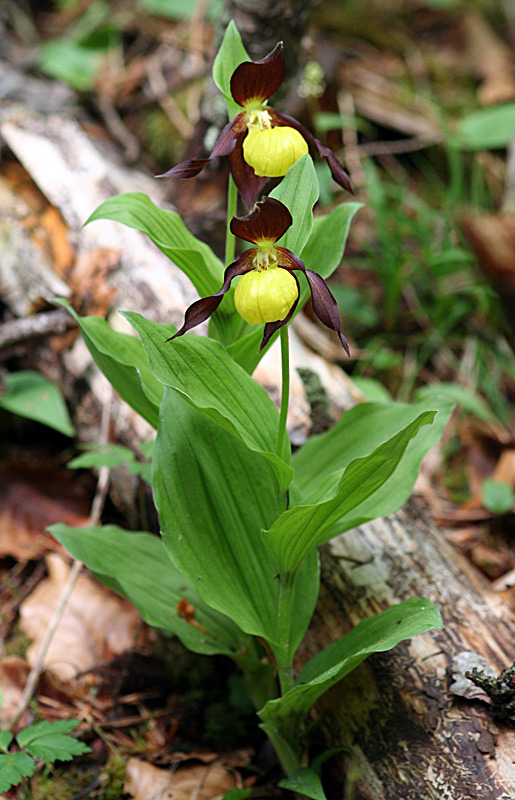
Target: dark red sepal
{"x": 269, "y": 220}
{"x": 337, "y": 171}
{"x": 272, "y": 327}
{"x": 249, "y": 184}
{"x": 325, "y": 306}
{"x": 258, "y": 80}
{"x": 202, "y": 309}
{"x": 224, "y": 145}
{"x": 322, "y": 300}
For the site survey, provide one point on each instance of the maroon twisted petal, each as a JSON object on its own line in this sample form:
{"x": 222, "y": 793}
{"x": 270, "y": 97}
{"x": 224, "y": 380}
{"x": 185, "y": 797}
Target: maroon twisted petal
{"x": 269, "y": 220}
{"x": 322, "y": 300}
{"x": 202, "y": 309}
{"x": 258, "y": 80}
{"x": 229, "y": 137}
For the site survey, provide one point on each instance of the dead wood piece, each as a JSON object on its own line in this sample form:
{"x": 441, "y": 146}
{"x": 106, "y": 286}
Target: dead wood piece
{"x": 48, "y": 323}
{"x": 492, "y": 237}
{"x": 410, "y": 737}
{"x": 490, "y": 58}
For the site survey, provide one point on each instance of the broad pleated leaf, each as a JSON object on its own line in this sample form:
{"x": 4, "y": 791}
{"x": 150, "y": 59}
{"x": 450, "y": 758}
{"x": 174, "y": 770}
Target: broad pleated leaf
{"x": 231, "y": 54}
{"x": 373, "y": 635}
{"x": 360, "y": 430}
{"x": 122, "y": 359}
{"x": 136, "y": 565}
{"x": 214, "y": 496}
{"x": 305, "y": 526}
{"x": 324, "y": 249}
{"x": 169, "y": 233}
{"x": 201, "y": 370}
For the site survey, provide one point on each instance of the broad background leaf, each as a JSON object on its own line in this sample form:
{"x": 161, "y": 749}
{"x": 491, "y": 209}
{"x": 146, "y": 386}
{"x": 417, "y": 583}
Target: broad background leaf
{"x": 33, "y": 396}
{"x": 122, "y": 359}
{"x": 136, "y": 565}
{"x": 487, "y": 128}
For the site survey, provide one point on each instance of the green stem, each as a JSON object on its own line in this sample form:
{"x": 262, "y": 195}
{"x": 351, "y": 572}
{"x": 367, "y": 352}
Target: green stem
{"x": 230, "y": 239}
{"x": 284, "y": 665}
{"x": 285, "y": 395}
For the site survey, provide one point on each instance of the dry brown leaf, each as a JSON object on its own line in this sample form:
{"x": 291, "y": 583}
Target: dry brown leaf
{"x": 96, "y": 624}
{"x": 505, "y": 469}
{"x": 146, "y": 782}
{"x": 32, "y": 499}
{"x": 13, "y": 674}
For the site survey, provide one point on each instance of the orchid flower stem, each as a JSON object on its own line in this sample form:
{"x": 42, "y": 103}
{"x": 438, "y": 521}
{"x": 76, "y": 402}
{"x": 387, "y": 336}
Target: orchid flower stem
{"x": 284, "y": 666}
{"x": 232, "y": 203}
{"x": 285, "y": 395}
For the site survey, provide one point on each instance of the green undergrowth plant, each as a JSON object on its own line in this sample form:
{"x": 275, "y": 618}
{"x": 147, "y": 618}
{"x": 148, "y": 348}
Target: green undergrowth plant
{"x": 235, "y": 571}
{"x": 43, "y": 743}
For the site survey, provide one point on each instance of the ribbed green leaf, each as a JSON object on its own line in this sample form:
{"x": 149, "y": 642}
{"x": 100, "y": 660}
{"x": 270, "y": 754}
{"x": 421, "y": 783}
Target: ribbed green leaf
{"x": 231, "y": 54}
{"x": 351, "y": 497}
{"x": 373, "y": 635}
{"x": 306, "y": 782}
{"x": 298, "y": 191}
{"x": 33, "y": 396}
{"x": 322, "y": 459}
{"x": 214, "y": 496}
{"x": 169, "y": 233}
{"x": 137, "y": 566}
{"x": 201, "y": 370}
{"x": 123, "y": 361}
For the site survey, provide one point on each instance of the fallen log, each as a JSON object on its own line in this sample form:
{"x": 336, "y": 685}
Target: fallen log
{"x": 410, "y": 736}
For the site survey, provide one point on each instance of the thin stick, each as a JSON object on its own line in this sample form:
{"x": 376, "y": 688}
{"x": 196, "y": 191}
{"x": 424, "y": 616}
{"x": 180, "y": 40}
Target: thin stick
{"x": 94, "y": 518}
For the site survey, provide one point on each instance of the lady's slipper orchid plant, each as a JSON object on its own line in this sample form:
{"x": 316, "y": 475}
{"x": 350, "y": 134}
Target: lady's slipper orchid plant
{"x": 268, "y": 290}
{"x": 241, "y": 544}
{"x": 261, "y": 142}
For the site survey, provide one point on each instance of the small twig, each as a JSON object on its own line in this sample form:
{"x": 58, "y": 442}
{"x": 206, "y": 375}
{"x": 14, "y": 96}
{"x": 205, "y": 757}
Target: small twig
{"x": 48, "y": 323}
{"x": 119, "y": 130}
{"x": 94, "y": 518}
{"x": 399, "y": 146}
{"x": 350, "y": 141}
{"x": 160, "y": 91}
